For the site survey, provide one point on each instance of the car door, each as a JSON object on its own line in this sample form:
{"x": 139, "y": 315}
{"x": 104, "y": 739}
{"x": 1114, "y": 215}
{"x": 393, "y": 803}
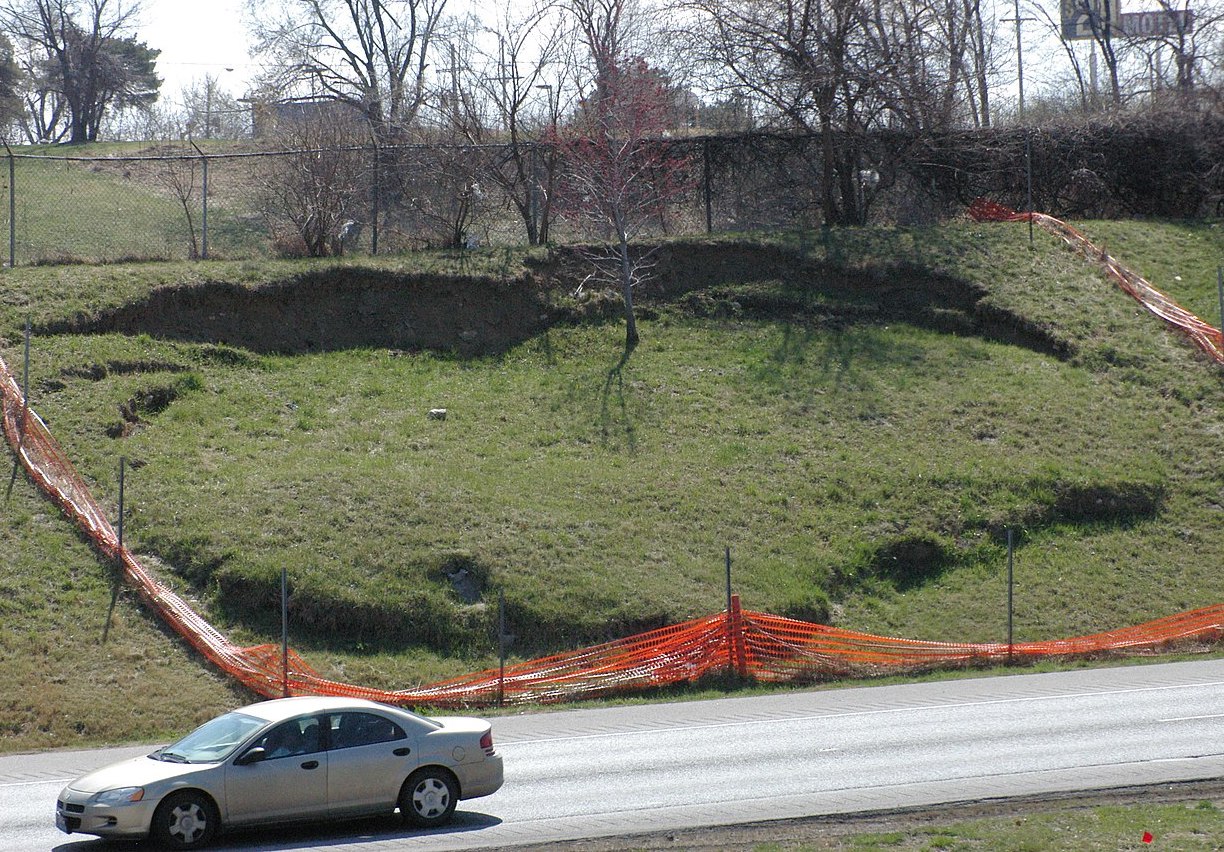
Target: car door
{"x": 288, "y": 781}
{"x": 369, "y": 755}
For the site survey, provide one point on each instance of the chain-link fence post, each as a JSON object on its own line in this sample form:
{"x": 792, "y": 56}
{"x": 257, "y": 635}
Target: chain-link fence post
{"x": 374, "y": 193}
{"x": 705, "y": 179}
{"x": 12, "y": 205}
{"x": 203, "y": 202}
{"x": 533, "y": 207}
{"x": 204, "y": 210}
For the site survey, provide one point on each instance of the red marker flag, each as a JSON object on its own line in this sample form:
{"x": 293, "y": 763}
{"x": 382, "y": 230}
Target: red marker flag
{"x": 1147, "y": 837}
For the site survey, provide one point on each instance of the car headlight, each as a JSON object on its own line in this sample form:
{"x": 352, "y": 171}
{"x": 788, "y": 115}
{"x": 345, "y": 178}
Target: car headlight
{"x": 121, "y": 796}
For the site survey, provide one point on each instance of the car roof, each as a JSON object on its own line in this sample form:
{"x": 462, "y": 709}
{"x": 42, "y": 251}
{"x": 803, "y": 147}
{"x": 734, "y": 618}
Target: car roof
{"x": 286, "y": 708}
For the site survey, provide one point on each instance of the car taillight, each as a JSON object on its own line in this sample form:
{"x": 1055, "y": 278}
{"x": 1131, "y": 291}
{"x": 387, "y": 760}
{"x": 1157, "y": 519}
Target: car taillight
{"x": 486, "y": 741}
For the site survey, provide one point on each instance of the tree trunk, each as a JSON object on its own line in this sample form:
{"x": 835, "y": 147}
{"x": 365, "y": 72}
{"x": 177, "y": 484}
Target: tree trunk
{"x": 626, "y": 271}
{"x": 828, "y": 149}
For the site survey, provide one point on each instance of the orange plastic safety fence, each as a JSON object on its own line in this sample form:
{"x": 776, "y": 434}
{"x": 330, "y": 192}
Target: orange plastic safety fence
{"x": 750, "y": 644}
{"x": 1204, "y": 335}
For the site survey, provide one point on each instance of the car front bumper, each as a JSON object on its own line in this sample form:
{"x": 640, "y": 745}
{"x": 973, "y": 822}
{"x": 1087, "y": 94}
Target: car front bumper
{"x": 76, "y": 812}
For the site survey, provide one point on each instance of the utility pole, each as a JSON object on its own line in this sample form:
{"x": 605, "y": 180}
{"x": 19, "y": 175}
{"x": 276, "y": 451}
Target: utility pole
{"x": 1020, "y": 60}
{"x": 1028, "y": 149}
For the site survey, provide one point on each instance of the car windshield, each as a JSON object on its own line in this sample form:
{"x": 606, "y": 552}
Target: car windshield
{"x": 213, "y": 741}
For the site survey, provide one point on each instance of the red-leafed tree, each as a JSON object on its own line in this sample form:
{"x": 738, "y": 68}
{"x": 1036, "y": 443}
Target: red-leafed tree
{"x": 619, "y": 171}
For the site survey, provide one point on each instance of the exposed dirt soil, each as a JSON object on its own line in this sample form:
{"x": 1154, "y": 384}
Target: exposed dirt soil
{"x": 834, "y": 832}
{"x": 356, "y": 306}
{"x": 342, "y": 308}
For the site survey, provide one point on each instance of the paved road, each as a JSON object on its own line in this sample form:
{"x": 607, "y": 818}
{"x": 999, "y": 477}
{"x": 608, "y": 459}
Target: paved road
{"x": 578, "y": 774}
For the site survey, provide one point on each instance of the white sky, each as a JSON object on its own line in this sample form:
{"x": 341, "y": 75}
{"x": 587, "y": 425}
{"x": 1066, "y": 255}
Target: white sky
{"x": 197, "y": 38}
{"x": 208, "y": 37}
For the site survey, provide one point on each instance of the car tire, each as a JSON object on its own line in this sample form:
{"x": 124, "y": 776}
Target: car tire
{"x": 184, "y": 821}
{"x": 428, "y": 797}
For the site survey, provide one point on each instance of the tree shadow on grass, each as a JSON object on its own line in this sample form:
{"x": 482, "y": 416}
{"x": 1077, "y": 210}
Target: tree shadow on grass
{"x": 614, "y": 413}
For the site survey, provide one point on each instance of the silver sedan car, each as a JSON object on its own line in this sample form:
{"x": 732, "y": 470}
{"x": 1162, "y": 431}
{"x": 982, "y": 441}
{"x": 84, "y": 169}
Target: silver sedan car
{"x": 287, "y": 760}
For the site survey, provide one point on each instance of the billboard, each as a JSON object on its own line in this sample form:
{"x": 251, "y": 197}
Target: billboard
{"x": 1079, "y": 17}
{"x": 1166, "y": 22}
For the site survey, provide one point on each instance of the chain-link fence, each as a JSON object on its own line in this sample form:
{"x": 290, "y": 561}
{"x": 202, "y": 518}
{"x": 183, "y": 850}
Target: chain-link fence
{"x": 176, "y": 203}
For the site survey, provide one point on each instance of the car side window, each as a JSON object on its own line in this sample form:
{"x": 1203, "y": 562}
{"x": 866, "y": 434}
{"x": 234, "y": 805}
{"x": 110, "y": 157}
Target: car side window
{"x": 299, "y": 736}
{"x": 357, "y": 729}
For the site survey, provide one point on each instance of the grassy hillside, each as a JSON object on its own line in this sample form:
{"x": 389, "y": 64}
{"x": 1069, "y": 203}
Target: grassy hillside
{"x": 858, "y": 418}
{"x": 67, "y": 201}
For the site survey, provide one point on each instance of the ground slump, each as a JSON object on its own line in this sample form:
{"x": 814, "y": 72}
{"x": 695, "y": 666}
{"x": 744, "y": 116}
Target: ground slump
{"x": 1207, "y": 338}
{"x": 353, "y": 307}
{"x": 750, "y": 644}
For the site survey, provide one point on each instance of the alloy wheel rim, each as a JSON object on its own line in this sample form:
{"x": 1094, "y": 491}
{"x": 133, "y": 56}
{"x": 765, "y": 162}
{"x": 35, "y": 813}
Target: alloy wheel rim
{"x": 187, "y": 822}
{"x": 430, "y": 797}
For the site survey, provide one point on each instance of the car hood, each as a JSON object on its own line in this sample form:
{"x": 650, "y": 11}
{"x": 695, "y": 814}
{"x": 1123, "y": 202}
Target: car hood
{"x": 136, "y": 772}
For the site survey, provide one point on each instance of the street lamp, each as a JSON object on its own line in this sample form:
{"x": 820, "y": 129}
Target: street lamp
{"x": 552, "y": 110}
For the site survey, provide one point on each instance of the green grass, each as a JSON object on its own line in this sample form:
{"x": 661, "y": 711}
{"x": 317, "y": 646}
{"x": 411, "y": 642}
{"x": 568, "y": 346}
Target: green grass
{"x": 1099, "y": 829}
{"x": 123, "y": 203}
{"x": 861, "y": 471}
{"x": 67, "y": 211}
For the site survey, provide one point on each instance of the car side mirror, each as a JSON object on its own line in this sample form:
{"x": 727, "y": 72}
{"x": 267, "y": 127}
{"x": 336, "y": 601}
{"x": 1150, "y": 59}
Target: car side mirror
{"x": 254, "y": 755}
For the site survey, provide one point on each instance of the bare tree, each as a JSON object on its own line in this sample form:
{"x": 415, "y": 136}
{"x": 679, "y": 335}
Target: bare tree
{"x": 1101, "y": 20}
{"x": 315, "y": 194}
{"x": 431, "y": 194}
{"x": 619, "y": 171}
{"x": 798, "y": 58}
{"x": 372, "y": 55}
{"x": 512, "y": 87}
{"x": 45, "y": 117}
{"x": 1145, "y": 55}
{"x": 210, "y": 112}
{"x": 843, "y": 68}
{"x": 1190, "y": 38}
{"x": 179, "y": 176}
{"x": 981, "y": 42}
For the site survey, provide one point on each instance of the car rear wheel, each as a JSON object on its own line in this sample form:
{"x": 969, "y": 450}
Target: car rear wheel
{"x": 428, "y": 797}
{"x": 184, "y": 821}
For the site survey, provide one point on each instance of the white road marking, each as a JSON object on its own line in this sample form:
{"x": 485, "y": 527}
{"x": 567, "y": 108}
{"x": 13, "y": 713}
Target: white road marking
{"x": 59, "y": 781}
{"x": 1192, "y": 718}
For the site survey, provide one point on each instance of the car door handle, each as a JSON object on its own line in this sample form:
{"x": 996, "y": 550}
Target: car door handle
{"x": 311, "y": 764}
{"x": 402, "y": 752}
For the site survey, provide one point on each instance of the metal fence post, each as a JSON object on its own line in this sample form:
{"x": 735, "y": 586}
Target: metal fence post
{"x": 204, "y": 214}
{"x": 115, "y": 585}
{"x": 374, "y": 193}
{"x": 727, "y": 561}
{"x": 25, "y": 381}
{"x": 737, "y": 657}
{"x": 119, "y": 531}
{"x": 284, "y": 602}
{"x": 1010, "y": 599}
{"x": 501, "y": 648}
{"x": 705, "y": 177}
{"x": 1220, "y": 290}
{"x": 203, "y": 202}
{"x": 533, "y": 199}
{"x": 12, "y": 200}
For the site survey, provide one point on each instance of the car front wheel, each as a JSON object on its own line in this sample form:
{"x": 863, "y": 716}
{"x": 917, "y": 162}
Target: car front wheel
{"x": 428, "y": 797}
{"x": 184, "y": 821}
